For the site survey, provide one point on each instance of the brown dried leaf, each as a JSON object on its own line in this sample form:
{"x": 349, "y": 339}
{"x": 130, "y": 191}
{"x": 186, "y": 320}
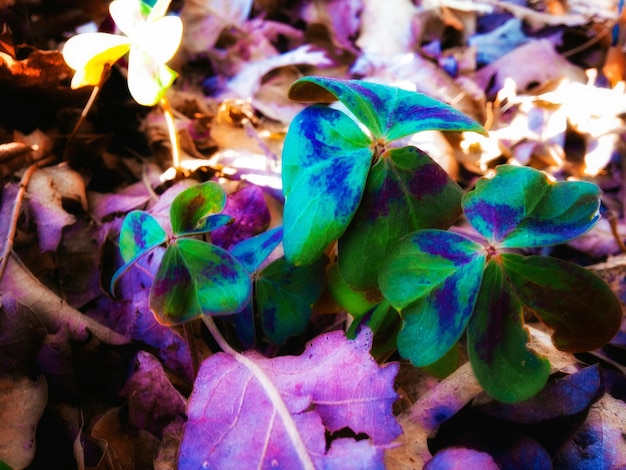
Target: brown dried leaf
{"x": 22, "y": 402}
{"x": 53, "y": 311}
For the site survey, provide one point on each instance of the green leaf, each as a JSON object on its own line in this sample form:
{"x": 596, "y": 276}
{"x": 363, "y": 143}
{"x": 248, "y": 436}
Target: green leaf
{"x": 521, "y": 207}
{"x": 353, "y": 301}
{"x": 190, "y": 210}
{"x": 197, "y": 278}
{"x": 405, "y": 191}
{"x": 579, "y": 306}
{"x": 251, "y": 252}
{"x": 497, "y": 343}
{"x": 284, "y": 297}
{"x": 432, "y": 277}
{"x": 140, "y": 233}
{"x": 447, "y": 364}
{"x": 384, "y": 322}
{"x": 388, "y": 112}
{"x": 326, "y": 158}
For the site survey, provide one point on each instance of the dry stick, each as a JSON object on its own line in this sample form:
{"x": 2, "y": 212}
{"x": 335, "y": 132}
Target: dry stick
{"x": 614, "y": 230}
{"x": 173, "y": 133}
{"x": 17, "y": 206}
{"x": 83, "y": 115}
{"x": 270, "y": 390}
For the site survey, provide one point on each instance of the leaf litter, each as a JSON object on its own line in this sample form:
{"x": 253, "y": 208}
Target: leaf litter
{"x": 545, "y": 79}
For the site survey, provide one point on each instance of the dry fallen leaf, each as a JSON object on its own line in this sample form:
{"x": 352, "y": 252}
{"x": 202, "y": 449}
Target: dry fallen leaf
{"x": 22, "y": 402}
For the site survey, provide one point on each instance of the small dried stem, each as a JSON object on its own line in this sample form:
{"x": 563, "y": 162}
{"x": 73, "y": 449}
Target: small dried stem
{"x": 173, "y": 133}
{"x": 17, "y": 206}
{"x": 612, "y": 217}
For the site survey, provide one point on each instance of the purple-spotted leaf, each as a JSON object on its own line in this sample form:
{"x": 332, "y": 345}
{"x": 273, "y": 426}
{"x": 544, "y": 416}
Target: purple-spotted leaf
{"x": 253, "y": 251}
{"x": 196, "y": 278}
{"x": 284, "y": 296}
{"x": 388, "y": 112}
{"x": 252, "y": 216}
{"x": 405, "y": 191}
{"x": 497, "y": 343}
{"x": 521, "y": 207}
{"x": 190, "y": 210}
{"x": 580, "y": 307}
{"x": 326, "y": 158}
{"x": 139, "y": 234}
{"x": 248, "y": 411}
{"x": 432, "y": 277}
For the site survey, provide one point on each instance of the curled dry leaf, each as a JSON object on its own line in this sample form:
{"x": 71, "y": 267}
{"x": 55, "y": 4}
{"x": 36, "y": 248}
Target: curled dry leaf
{"x": 447, "y": 398}
{"x": 22, "y": 402}
{"x": 53, "y": 311}
{"x": 47, "y": 190}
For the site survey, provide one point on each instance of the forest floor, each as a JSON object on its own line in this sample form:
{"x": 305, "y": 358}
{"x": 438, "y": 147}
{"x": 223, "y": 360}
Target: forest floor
{"x": 92, "y": 380}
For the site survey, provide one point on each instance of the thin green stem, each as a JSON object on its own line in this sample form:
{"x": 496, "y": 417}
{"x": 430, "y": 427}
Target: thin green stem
{"x": 173, "y": 133}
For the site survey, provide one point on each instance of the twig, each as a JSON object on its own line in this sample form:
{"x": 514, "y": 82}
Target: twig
{"x": 15, "y": 214}
{"x": 612, "y": 217}
{"x": 173, "y": 133}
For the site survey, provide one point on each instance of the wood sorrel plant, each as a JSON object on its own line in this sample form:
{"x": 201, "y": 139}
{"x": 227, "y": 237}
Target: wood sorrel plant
{"x": 151, "y": 39}
{"x": 386, "y": 206}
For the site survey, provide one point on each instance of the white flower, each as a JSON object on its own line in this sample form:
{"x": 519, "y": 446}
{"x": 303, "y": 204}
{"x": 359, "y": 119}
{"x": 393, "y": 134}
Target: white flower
{"x": 151, "y": 39}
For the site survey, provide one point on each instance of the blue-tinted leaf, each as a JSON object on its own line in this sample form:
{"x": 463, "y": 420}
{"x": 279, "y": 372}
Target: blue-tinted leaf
{"x": 521, "y": 207}
{"x": 432, "y": 277}
{"x": 497, "y": 343}
{"x": 140, "y": 233}
{"x": 284, "y": 297}
{"x": 458, "y": 458}
{"x": 253, "y": 251}
{"x": 243, "y": 322}
{"x": 190, "y": 210}
{"x": 580, "y": 307}
{"x": 388, "y": 112}
{"x": 564, "y": 396}
{"x": 405, "y": 191}
{"x": 325, "y": 160}
{"x": 196, "y": 278}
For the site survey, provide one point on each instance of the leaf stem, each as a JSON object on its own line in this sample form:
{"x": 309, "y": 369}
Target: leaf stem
{"x": 173, "y": 133}
{"x": 193, "y": 347}
{"x": 270, "y": 390}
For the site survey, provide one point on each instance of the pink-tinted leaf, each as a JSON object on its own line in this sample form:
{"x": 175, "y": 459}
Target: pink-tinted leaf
{"x": 249, "y": 209}
{"x": 252, "y": 412}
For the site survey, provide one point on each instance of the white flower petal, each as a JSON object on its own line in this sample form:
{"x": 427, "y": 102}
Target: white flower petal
{"x": 161, "y": 39}
{"x": 147, "y": 80}
{"x": 80, "y": 49}
{"x": 158, "y": 10}
{"x": 127, "y": 16}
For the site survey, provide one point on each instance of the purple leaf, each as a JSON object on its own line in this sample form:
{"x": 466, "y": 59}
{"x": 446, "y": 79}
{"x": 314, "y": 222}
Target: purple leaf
{"x": 248, "y": 207}
{"x": 460, "y": 458}
{"x": 247, "y": 411}
{"x": 152, "y": 399}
